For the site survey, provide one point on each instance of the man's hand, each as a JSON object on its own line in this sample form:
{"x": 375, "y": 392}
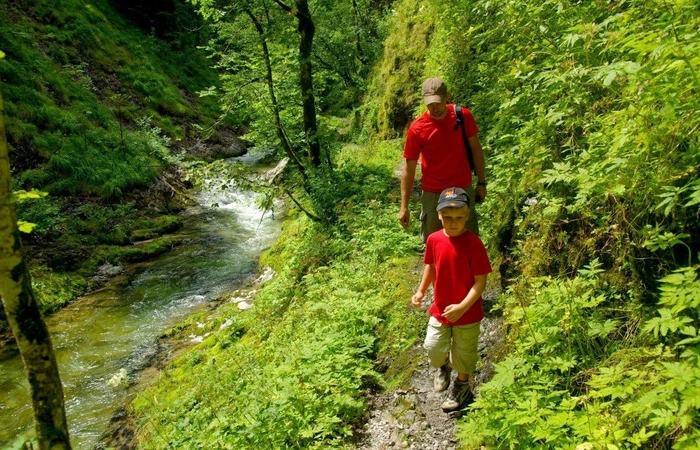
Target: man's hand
{"x": 480, "y": 194}
{"x": 453, "y": 312}
{"x": 417, "y": 299}
{"x": 404, "y": 217}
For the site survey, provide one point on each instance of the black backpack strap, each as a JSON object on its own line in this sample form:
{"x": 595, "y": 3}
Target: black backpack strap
{"x": 460, "y": 124}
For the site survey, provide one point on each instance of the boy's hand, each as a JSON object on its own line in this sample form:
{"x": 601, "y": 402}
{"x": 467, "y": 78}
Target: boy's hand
{"x": 453, "y": 312}
{"x": 417, "y": 299}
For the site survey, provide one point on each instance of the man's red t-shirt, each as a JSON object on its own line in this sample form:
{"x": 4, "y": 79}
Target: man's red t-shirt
{"x": 457, "y": 260}
{"x": 441, "y": 147}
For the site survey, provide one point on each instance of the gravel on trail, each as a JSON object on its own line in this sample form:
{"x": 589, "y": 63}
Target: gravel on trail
{"x": 411, "y": 418}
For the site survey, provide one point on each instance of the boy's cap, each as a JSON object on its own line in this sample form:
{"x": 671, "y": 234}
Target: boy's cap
{"x": 453, "y": 197}
{"x": 434, "y": 90}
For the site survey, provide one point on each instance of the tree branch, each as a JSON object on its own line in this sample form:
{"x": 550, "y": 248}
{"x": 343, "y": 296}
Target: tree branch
{"x": 308, "y": 214}
{"x": 283, "y": 6}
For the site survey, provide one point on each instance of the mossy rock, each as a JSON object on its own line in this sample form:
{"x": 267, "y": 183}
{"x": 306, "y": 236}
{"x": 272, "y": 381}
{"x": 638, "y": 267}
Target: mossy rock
{"x": 162, "y": 225}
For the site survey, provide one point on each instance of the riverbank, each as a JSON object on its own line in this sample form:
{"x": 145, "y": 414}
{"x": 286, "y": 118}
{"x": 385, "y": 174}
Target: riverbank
{"x": 81, "y": 242}
{"x": 331, "y": 327}
{"x": 115, "y": 330}
{"x": 104, "y": 241}
{"x": 121, "y": 431}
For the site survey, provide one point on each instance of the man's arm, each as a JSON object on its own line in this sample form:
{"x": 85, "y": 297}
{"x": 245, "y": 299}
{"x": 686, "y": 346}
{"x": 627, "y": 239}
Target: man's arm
{"x": 408, "y": 176}
{"x": 454, "y": 312}
{"x": 479, "y": 165}
{"x": 428, "y": 278}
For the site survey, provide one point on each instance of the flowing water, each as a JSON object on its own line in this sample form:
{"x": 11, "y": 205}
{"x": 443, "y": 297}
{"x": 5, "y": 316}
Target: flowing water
{"x": 117, "y": 328}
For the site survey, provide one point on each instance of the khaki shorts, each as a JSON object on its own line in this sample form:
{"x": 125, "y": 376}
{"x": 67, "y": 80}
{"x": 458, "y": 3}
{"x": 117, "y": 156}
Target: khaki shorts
{"x": 459, "y": 342}
{"x": 429, "y": 220}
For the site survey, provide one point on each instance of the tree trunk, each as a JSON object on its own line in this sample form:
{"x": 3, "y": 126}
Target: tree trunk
{"x": 25, "y": 320}
{"x": 358, "y": 42}
{"x": 273, "y": 98}
{"x": 306, "y": 31}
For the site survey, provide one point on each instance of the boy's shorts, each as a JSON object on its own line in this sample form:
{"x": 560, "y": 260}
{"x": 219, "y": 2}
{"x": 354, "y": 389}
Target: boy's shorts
{"x": 429, "y": 220}
{"x": 461, "y": 342}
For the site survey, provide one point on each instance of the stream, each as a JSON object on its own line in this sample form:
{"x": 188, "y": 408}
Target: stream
{"x": 117, "y": 327}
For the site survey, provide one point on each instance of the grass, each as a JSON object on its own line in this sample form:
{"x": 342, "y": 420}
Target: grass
{"x": 79, "y": 82}
{"x": 293, "y": 371}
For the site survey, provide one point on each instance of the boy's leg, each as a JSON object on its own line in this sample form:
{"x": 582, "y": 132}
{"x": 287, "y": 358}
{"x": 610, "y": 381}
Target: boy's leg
{"x": 463, "y": 355}
{"x": 429, "y": 220}
{"x": 437, "y": 344}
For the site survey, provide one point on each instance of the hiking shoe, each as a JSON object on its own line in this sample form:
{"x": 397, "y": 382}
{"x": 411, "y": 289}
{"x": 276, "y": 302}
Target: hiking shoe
{"x": 442, "y": 378}
{"x": 459, "y": 396}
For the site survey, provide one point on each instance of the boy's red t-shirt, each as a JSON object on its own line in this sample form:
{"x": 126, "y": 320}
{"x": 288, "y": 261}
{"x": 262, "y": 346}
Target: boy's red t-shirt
{"x": 440, "y": 145}
{"x": 457, "y": 260}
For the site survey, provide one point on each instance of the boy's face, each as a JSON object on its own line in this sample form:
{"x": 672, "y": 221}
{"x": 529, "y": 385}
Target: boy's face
{"x": 453, "y": 220}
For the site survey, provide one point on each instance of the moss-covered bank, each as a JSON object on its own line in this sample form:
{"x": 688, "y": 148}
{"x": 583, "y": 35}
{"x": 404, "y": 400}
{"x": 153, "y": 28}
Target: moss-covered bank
{"x": 293, "y": 370}
{"x": 99, "y": 112}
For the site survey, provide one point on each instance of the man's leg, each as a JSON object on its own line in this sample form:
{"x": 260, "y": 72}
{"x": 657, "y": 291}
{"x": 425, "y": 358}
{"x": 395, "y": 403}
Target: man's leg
{"x": 473, "y": 222}
{"x": 437, "y": 343}
{"x": 429, "y": 220}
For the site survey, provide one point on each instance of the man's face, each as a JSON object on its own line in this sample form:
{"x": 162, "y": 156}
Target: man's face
{"x": 453, "y": 220}
{"x": 438, "y": 110}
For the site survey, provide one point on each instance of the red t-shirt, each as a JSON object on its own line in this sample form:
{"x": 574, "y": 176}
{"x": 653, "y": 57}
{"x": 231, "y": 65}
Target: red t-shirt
{"x": 457, "y": 260}
{"x": 441, "y": 147}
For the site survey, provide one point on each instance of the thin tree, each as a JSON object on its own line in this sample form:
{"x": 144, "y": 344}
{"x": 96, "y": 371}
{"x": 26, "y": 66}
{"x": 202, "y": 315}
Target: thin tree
{"x": 25, "y": 320}
{"x": 306, "y": 29}
{"x": 273, "y": 98}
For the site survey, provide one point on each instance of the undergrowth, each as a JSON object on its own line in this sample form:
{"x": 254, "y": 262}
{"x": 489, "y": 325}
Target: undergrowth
{"x": 588, "y": 115}
{"x": 292, "y": 371}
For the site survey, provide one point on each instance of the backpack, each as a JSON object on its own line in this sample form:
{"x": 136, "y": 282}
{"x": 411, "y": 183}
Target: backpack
{"x": 460, "y": 124}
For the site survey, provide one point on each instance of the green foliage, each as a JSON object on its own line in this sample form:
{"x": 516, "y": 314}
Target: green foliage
{"x": 346, "y": 42}
{"x": 75, "y": 80}
{"x": 296, "y": 374}
{"x": 578, "y": 376}
{"x": 587, "y": 115}
{"x": 394, "y": 91}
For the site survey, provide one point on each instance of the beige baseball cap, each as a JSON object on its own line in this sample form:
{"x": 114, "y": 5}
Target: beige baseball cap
{"x": 434, "y": 90}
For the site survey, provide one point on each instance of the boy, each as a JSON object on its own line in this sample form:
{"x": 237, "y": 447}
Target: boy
{"x": 456, "y": 261}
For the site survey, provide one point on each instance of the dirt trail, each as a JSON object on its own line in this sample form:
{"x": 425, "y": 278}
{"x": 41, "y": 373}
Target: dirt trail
{"x": 412, "y": 418}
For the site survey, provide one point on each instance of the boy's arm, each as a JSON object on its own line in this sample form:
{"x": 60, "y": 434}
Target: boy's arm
{"x": 428, "y": 278}
{"x": 454, "y": 312}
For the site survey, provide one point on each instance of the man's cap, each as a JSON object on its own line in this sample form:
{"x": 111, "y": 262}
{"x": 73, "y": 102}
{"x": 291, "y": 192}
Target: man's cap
{"x": 453, "y": 197}
{"x": 434, "y": 90}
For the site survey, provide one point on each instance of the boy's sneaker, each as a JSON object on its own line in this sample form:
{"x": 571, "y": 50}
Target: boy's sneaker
{"x": 442, "y": 378}
{"x": 459, "y": 396}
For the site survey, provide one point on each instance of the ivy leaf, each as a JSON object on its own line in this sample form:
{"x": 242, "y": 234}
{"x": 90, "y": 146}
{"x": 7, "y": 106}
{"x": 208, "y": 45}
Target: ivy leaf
{"x": 602, "y": 329}
{"x": 22, "y": 195}
{"x": 610, "y": 78}
{"x": 2, "y": 55}
{"x": 25, "y": 227}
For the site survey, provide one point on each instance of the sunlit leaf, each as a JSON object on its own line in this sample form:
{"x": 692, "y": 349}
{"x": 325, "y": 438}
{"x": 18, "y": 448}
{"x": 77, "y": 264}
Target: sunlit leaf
{"x": 25, "y": 227}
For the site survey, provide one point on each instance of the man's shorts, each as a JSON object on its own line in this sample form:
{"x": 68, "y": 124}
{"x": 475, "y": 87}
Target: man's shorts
{"x": 429, "y": 220}
{"x": 460, "y": 342}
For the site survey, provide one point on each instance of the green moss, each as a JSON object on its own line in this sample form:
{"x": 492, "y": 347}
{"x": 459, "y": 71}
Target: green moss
{"x": 58, "y": 65}
{"x": 53, "y": 289}
{"x": 394, "y": 90}
{"x": 151, "y": 229}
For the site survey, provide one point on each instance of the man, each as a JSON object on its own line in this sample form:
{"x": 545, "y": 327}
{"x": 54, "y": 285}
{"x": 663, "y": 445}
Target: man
{"x": 437, "y": 139}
